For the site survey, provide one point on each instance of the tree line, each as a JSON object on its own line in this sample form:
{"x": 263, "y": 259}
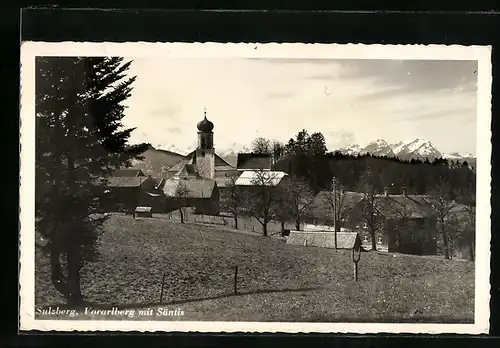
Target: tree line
{"x": 306, "y": 157}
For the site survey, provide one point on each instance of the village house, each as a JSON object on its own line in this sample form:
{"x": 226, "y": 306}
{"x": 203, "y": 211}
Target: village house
{"x": 187, "y": 188}
{"x": 408, "y": 223}
{"x": 321, "y": 209}
{"x": 254, "y": 161}
{"x": 251, "y": 180}
{"x": 125, "y": 192}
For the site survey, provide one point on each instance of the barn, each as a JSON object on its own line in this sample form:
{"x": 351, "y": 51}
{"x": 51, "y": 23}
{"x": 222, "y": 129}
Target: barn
{"x": 325, "y": 239}
{"x": 125, "y": 193}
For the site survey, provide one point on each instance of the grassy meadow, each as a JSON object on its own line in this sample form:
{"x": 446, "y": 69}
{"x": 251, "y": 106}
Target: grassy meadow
{"x": 276, "y": 282}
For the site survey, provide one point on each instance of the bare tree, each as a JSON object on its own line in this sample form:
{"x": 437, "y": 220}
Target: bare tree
{"x": 283, "y": 211}
{"x": 469, "y": 229}
{"x": 233, "y": 199}
{"x": 337, "y": 203}
{"x": 262, "y": 145}
{"x": 278, "y": 149}
{"x": 263, "y": 199}
{"x": 300, "y": 198}
{"x": 181, "y": 194}
{"x": 336, "y": 200}
{"x": 468, "y": 221}
{"x": 403, "y": 214}
{"x": 367, "y": 210}
{"x": 443, "y": 208}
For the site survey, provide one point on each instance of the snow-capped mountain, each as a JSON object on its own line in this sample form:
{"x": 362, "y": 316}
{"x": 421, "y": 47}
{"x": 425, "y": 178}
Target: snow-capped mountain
{"x": 354, "y": 149}
{"x": 458, "y": 155}
{"x": 418, "y": 149}
{"x": 379, "y": 147}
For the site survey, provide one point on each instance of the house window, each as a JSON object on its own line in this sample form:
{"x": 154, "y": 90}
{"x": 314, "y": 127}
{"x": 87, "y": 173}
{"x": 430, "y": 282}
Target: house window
{"x": 379, "y": 241}
{"x": 413, "y": 238}
{"x": 365, "y": 238}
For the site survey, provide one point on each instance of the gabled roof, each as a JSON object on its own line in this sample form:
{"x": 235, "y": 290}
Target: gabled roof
{"x": 322, "y": 203}
{"x": 126, "y": 181}
{"x": 408, "y": 206}
{"x": 250, "y": 161}
{"x": 260, "y": 178}
{"x": 345, "y": 240}
{"x": 220, "y": 164}
{"x": 128, "y": 172}
{"x": 188, "y": 170}
{"x": 196, "y": 187}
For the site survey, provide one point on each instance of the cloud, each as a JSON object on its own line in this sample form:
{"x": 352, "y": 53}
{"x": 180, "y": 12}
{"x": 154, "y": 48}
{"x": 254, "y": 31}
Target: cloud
{"x": 337, "y": 139}
{"x": 414, "y": 75}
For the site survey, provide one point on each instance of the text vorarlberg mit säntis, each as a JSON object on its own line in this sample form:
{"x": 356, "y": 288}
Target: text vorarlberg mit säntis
{"x": 130, "y": 313}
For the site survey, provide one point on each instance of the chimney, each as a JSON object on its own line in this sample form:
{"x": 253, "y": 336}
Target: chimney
{"x": 386, "y": 191}
{"x": 404, "y": 190}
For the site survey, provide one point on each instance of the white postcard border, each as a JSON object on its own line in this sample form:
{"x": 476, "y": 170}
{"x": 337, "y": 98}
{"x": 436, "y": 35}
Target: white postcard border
{"x": 29, "y": 50}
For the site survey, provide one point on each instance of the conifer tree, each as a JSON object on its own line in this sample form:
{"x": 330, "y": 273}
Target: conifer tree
{"x": 80, "y": 140}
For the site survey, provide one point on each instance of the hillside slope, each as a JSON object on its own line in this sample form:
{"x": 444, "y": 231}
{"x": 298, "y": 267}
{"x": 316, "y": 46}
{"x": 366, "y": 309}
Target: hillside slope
{"x": 198, "y": 262}
{"x": 155, "y": 159}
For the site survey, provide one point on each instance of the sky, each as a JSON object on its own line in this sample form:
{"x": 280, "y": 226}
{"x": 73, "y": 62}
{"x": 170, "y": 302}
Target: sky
{"x": 349, "y": 101}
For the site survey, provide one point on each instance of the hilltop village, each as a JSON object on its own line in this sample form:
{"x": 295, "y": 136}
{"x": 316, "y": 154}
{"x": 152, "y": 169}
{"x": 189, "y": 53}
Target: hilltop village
{"x": 202, "y": 183}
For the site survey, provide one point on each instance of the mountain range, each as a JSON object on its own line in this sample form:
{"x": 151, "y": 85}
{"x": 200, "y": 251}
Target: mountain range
{"x": 406, "y": 150}
{"x": 155, "y": 159}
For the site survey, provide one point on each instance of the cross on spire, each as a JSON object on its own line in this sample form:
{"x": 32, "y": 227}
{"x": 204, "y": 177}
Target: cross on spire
{"x": 205, "y": 111}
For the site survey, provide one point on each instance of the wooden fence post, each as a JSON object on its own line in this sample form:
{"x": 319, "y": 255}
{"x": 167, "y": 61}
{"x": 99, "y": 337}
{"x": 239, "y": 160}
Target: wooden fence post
{"x": 162, "y": 284}
{"x": 236, "y": 280}
{"x": 355, "y": 259}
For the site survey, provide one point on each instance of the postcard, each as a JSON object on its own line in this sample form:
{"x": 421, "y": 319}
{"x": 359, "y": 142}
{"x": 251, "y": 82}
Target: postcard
{"x": 220, "y": 187}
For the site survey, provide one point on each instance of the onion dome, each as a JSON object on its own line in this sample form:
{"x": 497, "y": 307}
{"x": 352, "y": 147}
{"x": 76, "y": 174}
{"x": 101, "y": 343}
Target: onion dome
{"x": 205, "y": 125}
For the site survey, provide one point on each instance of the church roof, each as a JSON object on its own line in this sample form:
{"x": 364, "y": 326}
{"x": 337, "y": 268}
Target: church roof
{"x": 195, "y": 187}
{"x": 205, "y": 125}
{"x": 188, "y": 170}
{"x": 190, "y": 158}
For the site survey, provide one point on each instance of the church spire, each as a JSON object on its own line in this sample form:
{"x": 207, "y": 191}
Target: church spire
{"x": 205, "y": 125}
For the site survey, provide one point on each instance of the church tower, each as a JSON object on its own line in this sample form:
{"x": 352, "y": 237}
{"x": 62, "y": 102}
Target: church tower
{"x": 205, "y": 152}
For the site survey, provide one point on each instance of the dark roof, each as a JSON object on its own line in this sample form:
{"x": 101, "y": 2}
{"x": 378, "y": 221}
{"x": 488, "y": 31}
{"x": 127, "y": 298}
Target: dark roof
{"x": 128, "y": 172}
{"x": 126, "y": 181}
{"x": 345, "y": 240}
{"x": 197, "y": 187}
{"x": 322, "y": 208}
{"x": 188, "y": 170}
{"x": 397, "y": 206}
{"x": 190, "y": 158}
{"x": 249, "y": 161}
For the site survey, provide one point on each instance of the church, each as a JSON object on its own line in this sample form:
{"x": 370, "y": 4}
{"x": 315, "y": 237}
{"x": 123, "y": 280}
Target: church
{"x": 208, "y": 164}
{"x": 193, "y": 181}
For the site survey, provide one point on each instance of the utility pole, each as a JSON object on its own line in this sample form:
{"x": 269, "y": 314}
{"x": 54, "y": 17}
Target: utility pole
{"x": 334, "y": 183}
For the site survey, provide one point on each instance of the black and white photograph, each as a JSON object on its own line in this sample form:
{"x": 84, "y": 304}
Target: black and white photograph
{"x": 248, "y": 187}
